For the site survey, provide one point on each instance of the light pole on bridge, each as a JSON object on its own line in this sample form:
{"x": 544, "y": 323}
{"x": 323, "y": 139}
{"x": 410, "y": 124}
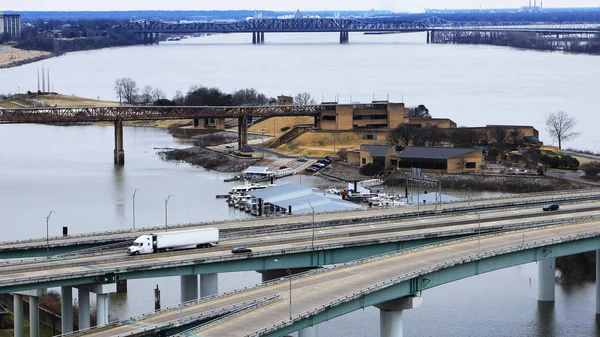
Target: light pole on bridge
{"x": 313, "y": 224}
{"x": 134, "y": 192}
{"x": 48, "y": 234}
{"x": 290, "y": 278}
{"x": 167, "y": 212}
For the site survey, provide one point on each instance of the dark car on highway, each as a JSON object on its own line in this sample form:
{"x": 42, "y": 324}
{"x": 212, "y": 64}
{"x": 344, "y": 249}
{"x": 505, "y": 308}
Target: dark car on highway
{"x": 238, "y": 250}
{"x": 551, "y": 207}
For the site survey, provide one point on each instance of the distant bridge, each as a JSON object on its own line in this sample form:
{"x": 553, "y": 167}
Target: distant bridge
{"x": 258, "y": 27}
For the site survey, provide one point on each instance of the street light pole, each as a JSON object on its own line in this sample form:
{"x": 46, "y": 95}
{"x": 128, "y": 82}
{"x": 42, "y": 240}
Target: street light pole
{"x": 313, "y": 224}
{"x": 48, "y": 235}
{"x": 134, "y": 192}
{"x": 290, "y": 278}
{"x": 166, "y": 211}
{"x": 478, "y": 233}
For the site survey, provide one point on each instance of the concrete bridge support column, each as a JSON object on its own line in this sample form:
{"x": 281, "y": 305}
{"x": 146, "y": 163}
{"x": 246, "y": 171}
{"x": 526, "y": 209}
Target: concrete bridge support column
{"x": 242, "y": 132}
{"x": 428, "y": 37}
{"x": 34, "y": 316}
{"x": 18, "y": 315}
{"x": 66, "y": 309}
{"x": 253, "y": 37}
{"x": 119, "y": 153}
{"x": 209, "y": 284}
{"x": 189, "y": 287}
{"x": 83, "y": 298}
{"x": 34, "y": 312}
{"x": 196, "y": 122}
{"x": 390, "y": 314}
{"x": 598, "y": 282}
{"x": 220, "y": 123}
{"x": 546, "y": 274}
{"x": 102, "y": 309}
{"x": 262, "y": 37}
{"x": 102, "y": 290}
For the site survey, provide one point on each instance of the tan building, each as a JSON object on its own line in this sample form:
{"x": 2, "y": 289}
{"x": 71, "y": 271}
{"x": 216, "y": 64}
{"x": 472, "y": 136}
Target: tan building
{"x": 285, "y": 100}
{"x": 10, "y": 24}
{"x": 369, "y": 154}
{"x": 442, "y": 123}
{"x": 376, "y": 115}
{"x": 440, "y": 159}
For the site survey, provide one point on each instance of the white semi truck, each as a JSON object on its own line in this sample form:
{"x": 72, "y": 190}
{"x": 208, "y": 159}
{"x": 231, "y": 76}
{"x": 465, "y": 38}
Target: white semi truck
{"x": 163, "y": 241}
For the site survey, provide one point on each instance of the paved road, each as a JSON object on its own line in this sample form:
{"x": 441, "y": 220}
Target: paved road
{"x": 112, "y": 236}
{"x": 43, "y": 270}
{"x": 573, "y": 176}
{"x": 313, "y": 291}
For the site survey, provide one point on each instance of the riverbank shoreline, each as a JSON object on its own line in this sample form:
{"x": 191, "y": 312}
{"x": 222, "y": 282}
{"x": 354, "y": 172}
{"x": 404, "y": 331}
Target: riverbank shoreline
{"x": 13, "y": 57}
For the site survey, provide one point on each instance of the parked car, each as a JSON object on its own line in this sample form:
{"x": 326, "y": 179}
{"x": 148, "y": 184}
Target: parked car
{"x": 551, "y": 207}
{"x": 311, "y": 170}
{"x": 324, "y": 161}
{"x": 282, "y": 167}
{"x": 319, "y": 165}
{"x": 238, "y": 250}
{"x": 302, "y": 159}
{"x": 329, "y": 158}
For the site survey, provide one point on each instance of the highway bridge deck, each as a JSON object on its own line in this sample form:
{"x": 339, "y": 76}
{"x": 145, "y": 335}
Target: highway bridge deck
{"x": 320, "y": 291}
{"x": 36, "y": 247}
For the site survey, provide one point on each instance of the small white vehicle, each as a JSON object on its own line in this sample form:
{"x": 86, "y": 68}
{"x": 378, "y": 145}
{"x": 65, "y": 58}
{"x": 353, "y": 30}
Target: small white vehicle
{"x": 162, "y": 242}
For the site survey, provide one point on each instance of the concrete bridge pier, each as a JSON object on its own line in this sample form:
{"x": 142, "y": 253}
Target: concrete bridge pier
{"x": 119, "y": 153}
{"x": 390, "y": 314}
{"x": 254, "y": 38}
{"x": 196, "y": 122}
{"x": 18, "y": 315}
{"x": 189, "y": 288}
{"x": 242, "y": 132}
{"x": 66, "y": 309}
{"x": 598, "y": 282}
{"x": 83, "y": 299}
{"x": 428, "y": 37}
{"x": 209, "y": 284}
{"x": 344, "y": 37}
{"x": 102, "y": 291}
{"x": 262, "y": 37}
{"x": 546, "y": 275}
{"x": 34, "y": 312}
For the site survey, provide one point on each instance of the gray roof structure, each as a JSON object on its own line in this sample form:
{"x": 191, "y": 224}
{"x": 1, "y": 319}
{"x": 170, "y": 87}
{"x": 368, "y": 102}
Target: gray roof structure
{"x": 378, "y": 150}
{"x": 301, "y": 199}
{"x": 434, "y": 152}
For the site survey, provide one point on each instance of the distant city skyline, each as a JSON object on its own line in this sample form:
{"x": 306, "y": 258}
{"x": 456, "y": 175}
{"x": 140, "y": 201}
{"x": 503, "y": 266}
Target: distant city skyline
{"x": 306, "y": 5}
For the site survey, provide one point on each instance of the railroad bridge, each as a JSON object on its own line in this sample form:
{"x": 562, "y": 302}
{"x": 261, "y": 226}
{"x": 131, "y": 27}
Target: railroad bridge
{"x": 118, "y": 114}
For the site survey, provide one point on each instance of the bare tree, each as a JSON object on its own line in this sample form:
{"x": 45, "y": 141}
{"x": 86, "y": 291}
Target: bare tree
{"x": 146, "y": 96}
{"x": 126, "y": 89}
{"x": 462, "y": 163}
{"x": 304, "y": 98}
{"x": 179, "y": 99}
{"x": 561, "y": 127}
{"x": 516, "y": 136}
{"x": 404, "y": 134}
{"x": 499, "y": 134}
{"x": 485, "y": 136}
{"x": 119, "y": 88}
{"x": 158, "y": 94}
{"x": 342, "y": 154}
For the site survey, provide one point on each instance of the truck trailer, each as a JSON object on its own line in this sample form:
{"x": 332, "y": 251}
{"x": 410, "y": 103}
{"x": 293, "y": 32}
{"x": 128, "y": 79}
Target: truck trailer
{"x": 162, "y": 242}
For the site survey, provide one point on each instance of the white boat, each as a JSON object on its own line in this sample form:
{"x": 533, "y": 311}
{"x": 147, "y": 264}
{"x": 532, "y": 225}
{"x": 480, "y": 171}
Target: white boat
{"x": 247, "y": 187}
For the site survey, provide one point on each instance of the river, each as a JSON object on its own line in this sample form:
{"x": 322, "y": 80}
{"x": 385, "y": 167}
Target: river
{"x": 69, "y": 169}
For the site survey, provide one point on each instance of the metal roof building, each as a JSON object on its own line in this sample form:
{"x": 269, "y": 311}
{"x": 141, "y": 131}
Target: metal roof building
{"x": 302, "y": 199}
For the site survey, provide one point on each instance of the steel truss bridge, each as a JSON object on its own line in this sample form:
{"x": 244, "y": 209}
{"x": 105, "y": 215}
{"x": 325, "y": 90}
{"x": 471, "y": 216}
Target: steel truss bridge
{"x": 128, "y": 113}
{"x": 345, "y": 25}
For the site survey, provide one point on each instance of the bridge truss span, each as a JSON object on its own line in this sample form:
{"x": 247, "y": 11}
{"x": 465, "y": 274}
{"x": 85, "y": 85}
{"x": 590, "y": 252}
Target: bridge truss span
{"x": 125, "y": 113}
{"x": 277, "y": 26}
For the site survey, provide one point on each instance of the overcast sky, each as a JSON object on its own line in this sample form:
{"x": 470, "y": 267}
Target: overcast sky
{"x": 286, "y": 5}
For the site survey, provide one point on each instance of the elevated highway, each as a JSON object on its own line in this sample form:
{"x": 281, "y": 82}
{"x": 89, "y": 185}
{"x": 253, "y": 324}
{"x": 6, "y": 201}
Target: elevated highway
{"x": 320, "y": 295}
{"x": 63, "y": 245}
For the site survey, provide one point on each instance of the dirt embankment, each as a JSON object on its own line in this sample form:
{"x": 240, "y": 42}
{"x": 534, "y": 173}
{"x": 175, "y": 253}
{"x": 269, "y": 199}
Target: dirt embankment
{"x": 13, "y": 57}
{"x": 210, "y": 159}
{"x": 507, "y": 184}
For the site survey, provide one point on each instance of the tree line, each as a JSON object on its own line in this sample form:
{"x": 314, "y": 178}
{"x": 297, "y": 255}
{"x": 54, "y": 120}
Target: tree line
{"x": 128, "y": 91}
{"x": 58, "y": 37}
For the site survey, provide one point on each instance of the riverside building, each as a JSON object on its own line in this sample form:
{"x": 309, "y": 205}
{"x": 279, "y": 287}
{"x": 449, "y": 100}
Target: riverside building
{"x": 10, "y": 24}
